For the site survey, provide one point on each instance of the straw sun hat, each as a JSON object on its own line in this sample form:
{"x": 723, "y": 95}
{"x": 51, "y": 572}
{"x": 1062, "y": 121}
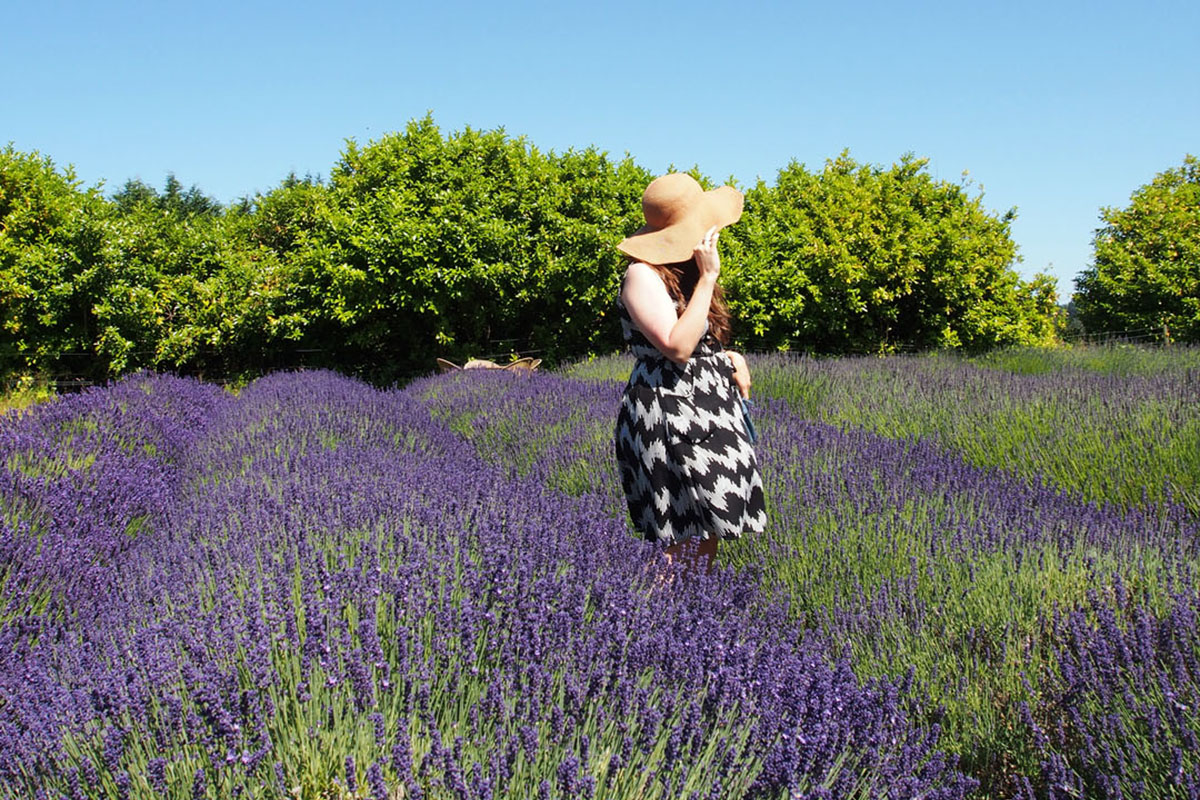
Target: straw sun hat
{"x": 678, "y": 213}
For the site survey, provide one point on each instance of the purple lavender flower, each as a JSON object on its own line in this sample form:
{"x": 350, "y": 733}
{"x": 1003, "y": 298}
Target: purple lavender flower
{"x": 376, "y": 782}
{"x": 568, "y": 776}
{"x": 199, "y": 784}
{"x": 156, "y": 774}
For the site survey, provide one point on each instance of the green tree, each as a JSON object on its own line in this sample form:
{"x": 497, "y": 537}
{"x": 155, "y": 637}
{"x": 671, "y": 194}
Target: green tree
{"x": 479, "y": 244}
{"x": 1145, "y": 272}
{"x": 858, "y": 258}
{"x": 195, "y": 287}
{"x": 162, "y": 267}
{"x": 174, "y": 199}
{"x": 52, "y": 241}
{"x": 476, "y": 244}
{"x": 277, "y": 229}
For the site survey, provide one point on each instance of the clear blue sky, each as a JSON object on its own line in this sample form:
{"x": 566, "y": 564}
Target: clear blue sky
{"x": 1056, "y": 108}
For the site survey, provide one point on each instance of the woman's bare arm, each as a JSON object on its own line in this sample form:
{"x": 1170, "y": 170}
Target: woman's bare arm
{"x": 651, "y": 308}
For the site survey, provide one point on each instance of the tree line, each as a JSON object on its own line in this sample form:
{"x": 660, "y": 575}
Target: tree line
{"x": 477, "y": 243}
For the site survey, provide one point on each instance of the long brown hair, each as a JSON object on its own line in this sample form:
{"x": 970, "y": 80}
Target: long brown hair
{"x": 681, "y": 279}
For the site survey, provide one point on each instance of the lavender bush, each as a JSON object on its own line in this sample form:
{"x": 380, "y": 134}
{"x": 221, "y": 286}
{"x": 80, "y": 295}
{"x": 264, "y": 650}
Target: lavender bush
{"x": 1122, "y": 712}
{"x": 83, "y": 478}
{"x": 318, "y": 589}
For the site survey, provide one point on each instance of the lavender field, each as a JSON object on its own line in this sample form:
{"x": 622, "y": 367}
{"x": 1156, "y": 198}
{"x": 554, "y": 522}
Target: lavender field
{"x": 319, "y": 589}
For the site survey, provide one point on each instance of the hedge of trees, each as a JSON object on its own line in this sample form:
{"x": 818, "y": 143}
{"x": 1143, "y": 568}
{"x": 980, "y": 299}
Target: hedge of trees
{"x": 477, "y": 243}
{"x": 1145, "y": 275}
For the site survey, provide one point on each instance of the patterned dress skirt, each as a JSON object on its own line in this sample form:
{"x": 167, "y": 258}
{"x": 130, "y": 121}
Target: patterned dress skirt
{"x": 685, "y": 459}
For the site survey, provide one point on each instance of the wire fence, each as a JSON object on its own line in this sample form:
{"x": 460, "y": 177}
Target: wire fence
{"x": 1157, "y": 334}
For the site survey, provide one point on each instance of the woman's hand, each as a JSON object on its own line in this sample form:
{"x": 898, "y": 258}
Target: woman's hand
{"x": 707, "y": 258}
{"x": 741, "y": 373}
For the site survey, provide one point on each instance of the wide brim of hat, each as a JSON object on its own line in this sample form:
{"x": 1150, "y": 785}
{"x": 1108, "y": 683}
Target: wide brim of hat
{"x": 675, "y": 243}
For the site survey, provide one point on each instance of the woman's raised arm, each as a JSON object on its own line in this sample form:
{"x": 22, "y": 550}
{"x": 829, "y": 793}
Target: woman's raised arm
{"x": 651, "y": 308}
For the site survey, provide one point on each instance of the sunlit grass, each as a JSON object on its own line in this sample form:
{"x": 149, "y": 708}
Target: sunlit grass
{"x": 23, "y": 394}
{"x": 1116, "y": 358}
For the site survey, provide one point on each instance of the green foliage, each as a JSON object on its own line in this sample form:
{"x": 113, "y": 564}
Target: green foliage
{"x": 281, "y": 219}
{"x": 187, "y": 285}
{"x": 477, "y": 244}
{"x": 1145, "y": 275}
{"x": 174, "y": 200}
{"x": 52, "y": 239}
{"x": 162, "y": 250}
{"x": 92, "y": 288}
{"x": 467, "y": 245}
{"x": 857, "y": 258}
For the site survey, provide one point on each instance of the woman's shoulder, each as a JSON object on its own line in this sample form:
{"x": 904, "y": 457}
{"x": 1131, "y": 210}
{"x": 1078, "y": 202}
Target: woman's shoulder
{"x": 639, "y": 270}
{"x": 641, "y": 275}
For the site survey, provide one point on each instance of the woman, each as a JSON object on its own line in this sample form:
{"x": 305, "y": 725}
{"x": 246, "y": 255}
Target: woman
{"x": 686, "y": 461}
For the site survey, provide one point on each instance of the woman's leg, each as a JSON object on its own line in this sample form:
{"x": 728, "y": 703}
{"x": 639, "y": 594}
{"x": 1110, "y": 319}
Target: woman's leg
{"x": 694, "y": 553}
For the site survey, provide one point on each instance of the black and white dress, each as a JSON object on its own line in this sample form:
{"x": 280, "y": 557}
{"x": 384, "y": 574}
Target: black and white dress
{"x": 686, "y": 462}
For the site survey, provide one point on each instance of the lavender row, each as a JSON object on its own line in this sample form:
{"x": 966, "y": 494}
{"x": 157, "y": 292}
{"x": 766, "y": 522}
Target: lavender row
{"x": 1130, "y": 439}
{"x": 907, "y": 556}
{"x": 559, "y": 431}
{"x": 87, "y": 480}
{"x": 334, "y": 594}
{"x": 1109, "y": 424}
{"x": 917, "y": 558}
